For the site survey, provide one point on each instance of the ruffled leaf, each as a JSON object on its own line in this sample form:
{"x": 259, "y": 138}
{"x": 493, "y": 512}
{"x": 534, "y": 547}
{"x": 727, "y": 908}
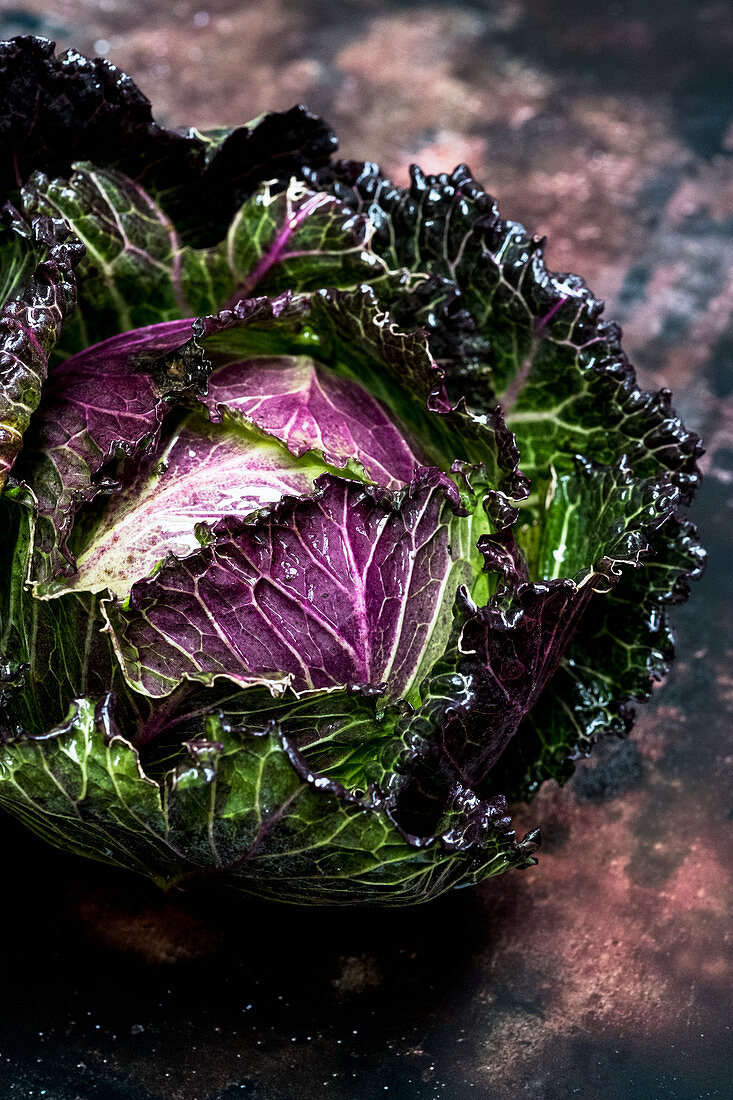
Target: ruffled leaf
{"x": 506, "y": 327}
{"x": 247, "y": 808}
{"x": 37, "y": 263}
{"x": 622, "y": 645}
{"x": 108, "y": 400}
{"x": 510, "y": 650}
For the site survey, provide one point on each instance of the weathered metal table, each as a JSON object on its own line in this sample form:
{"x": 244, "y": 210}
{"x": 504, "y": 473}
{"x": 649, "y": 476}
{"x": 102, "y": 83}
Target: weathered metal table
{"x": 604, "y": 971}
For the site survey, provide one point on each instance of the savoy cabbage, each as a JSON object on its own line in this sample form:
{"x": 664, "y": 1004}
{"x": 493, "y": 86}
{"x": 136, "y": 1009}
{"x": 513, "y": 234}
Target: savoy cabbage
{"x": 332, "y": 520}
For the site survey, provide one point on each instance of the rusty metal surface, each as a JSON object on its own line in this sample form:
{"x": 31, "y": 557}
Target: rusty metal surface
{"x": 605, "y": 971}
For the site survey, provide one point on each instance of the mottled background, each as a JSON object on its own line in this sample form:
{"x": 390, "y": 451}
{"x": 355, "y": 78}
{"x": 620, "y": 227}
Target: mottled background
{"x": 604, "y": 972}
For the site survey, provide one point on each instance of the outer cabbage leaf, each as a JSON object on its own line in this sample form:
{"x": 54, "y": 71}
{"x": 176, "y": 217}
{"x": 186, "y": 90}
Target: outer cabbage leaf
{"x": 72, "y": 108}
{"x": 510, "y": 650}
{"x": 621, "y": 646}
{"x": 138, "y": 271}
{"x": 39, "y": 292}
{"x": 20, "y": 252}
{"x": 50, "y": 651}
{"x": 107, "y": 400}
{"x": 352, "y": 735}
{"x": 508, "y": 328}
{"x": 247, "y": 807}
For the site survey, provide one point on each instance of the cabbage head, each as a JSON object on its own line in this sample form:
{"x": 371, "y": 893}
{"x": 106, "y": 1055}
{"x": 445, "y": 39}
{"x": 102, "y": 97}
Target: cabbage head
{"x": 332, "y": 521}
